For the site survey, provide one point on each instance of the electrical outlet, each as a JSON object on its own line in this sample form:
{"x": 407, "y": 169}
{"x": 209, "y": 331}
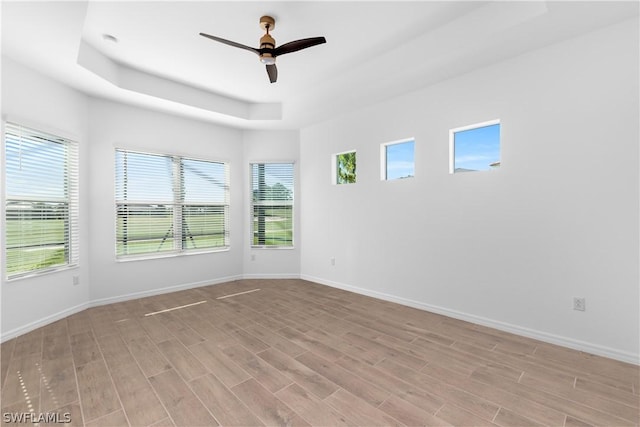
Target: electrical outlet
{"x": 253, "y": 257}
{"x": 76, "y": 280}
{"x": 579, "y": 304}
{"x": 333, "y": 261}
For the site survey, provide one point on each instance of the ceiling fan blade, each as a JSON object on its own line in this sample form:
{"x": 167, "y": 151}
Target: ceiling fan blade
{"x": 298, "y": 45}
{"x": 273, "y": 73}
{"x": 230, "y": 43}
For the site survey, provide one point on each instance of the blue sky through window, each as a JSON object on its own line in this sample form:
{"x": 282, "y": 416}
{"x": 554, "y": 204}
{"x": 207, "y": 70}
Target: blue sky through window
{"x": 35, "y": 168}
{"x": 204, "y": 181}
{"x": 400, "y": 161}
{"x": 274, "y": 173}
{"x": 144, "y": 178}
{"x": 149, "y": 178}
{"x": 476, "y": 149}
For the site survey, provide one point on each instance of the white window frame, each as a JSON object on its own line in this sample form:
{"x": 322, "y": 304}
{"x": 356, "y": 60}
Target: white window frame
{"x": 452, "y": 134}
{"x": 383, "y": 159}
{"x": 71, "y": 198}
{"x": 290, "y": 203}
{"x": 176, "y": 204}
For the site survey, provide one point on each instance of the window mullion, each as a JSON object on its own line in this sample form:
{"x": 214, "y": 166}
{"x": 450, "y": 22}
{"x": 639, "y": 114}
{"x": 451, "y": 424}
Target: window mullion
{"x": 174, "y": 204}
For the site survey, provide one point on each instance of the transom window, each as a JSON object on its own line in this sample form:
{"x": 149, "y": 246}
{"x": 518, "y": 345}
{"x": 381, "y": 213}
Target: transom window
{"x": 396, "y": 160}
{"x": 272, "y": 205}
{"x": 170, "y": 204}
{"x": 41, "y": 201}
{"x": 475, "y": 148}
{"x": 344, "y": 167}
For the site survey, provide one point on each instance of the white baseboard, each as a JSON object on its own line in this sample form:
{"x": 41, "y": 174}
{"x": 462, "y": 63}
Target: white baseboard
{"x": 134, "y": 295}
{"x": 586, "y": 347}
{"x": 272, "y": 276}
{"x": 16, "y": 332}
{"x": 168, "y": 289}
{"x": 503, "y": 326}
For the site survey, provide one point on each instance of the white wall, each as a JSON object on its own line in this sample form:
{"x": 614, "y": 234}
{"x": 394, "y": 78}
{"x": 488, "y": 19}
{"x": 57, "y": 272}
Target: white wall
{"x": 508, "y": 248}
{"x": 264, "y": 147}
{"x": 115, "y": 125}
{"x": 100, "y": 126}
{"x": 30, "y": 99}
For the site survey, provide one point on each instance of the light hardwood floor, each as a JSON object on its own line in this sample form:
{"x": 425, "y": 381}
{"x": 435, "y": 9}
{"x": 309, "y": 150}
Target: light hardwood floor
{"x": 298, "y": 353}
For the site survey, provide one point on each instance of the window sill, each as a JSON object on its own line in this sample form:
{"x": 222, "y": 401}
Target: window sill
{"x": 146, "y": 257}
{"x": 40, "y": 273}
{"x": 274, "y": 247}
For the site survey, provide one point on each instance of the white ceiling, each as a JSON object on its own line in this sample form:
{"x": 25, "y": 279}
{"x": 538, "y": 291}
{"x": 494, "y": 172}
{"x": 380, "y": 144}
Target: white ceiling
{"x": 374, "y": 50}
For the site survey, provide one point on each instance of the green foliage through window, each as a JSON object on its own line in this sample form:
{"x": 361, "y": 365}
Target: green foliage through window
{"x": 346, "y": 168}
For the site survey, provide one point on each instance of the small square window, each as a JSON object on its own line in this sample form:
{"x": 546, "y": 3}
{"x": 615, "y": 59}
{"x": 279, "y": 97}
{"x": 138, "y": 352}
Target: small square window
{"x": 397, "y": 160}
{"x": 345, "y": 168}
{"x": 475, "y": 148}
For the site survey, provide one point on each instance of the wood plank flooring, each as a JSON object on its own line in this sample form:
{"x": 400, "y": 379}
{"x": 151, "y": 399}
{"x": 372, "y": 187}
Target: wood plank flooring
{"x": 298, "y": 353}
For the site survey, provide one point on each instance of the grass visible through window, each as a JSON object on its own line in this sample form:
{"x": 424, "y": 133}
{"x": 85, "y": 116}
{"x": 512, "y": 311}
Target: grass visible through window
{"x": 41, "y": 202}
{"x": 272, "y": 204}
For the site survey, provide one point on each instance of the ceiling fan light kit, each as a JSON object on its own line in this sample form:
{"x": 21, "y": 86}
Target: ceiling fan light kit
{"x": 268, "y": 50}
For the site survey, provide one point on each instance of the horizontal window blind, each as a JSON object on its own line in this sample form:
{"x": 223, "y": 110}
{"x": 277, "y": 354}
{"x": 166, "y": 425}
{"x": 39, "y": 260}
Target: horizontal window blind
{"x": 144, "y": 203}
{"x": 169, "y": 204}
{"x": 272, "y": 186}
{"x": 41, "y": 210}
{"x": 205, "y": 204}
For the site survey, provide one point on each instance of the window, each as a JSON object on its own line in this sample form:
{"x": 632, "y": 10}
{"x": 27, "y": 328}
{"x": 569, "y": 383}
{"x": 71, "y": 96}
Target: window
{"x": 272, "y": 205}
{"x": 170, "y": 204}
{"x": 41, "y": 211}
{"x": 475, "y": 147}
{"x": 345, "y": 168}
{"x": 397, "y": 160}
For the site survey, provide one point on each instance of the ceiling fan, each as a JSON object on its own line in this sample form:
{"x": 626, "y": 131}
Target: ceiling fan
{"x": 268, "y": 50}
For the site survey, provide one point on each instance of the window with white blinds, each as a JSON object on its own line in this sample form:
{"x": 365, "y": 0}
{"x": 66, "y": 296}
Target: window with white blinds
{"x": 41, "y": 201}
{"x": 170, "y": 204}
{"x": 272, "y": 205}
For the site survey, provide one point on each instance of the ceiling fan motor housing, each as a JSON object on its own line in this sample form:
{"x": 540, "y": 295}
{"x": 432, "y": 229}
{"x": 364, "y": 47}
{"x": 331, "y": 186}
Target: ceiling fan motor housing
{"x": 267, "y": 23}
{"x": 267, "y": 42}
